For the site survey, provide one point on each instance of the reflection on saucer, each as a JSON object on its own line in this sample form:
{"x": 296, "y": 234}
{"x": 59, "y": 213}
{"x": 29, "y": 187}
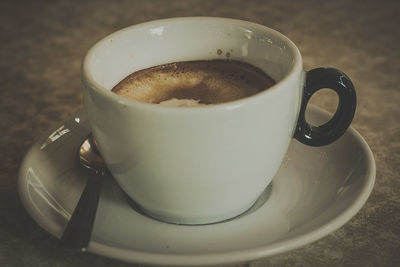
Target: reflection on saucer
{"x": 259, "y": 203}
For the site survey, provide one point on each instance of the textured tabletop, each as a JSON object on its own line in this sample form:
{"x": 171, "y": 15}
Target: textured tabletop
{"x": 42, "y": 44}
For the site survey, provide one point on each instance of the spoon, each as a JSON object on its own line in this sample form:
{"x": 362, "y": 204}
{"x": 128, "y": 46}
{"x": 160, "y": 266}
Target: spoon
{"x": 79, "y": 228}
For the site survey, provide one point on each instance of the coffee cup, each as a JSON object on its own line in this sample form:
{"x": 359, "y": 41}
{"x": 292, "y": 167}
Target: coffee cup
{"x": 204, "y": 164}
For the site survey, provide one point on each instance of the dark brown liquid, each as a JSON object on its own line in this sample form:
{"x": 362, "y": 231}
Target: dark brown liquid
{"x": 208, "y": 81}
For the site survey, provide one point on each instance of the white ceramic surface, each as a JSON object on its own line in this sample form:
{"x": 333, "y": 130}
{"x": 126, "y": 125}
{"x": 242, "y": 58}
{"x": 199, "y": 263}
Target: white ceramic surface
{"x": 176, "y": 163}
{"x": 316, "y": 190}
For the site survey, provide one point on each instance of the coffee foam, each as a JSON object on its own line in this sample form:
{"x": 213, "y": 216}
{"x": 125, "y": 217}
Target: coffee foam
{"x": 174, "y": 102}
{"x": 207, "y": 82}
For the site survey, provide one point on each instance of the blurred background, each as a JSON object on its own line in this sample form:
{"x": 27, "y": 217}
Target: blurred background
{"x": 43, "y": 42}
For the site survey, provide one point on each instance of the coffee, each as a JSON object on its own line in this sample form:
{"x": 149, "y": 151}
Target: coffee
{"x": 192, "y": 83}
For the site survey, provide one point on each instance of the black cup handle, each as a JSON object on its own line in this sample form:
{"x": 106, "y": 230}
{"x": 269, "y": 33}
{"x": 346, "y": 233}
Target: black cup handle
{"x": 329, "y": 132}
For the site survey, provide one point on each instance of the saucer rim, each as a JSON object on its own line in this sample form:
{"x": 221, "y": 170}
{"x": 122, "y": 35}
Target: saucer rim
{"x": 234, "y": 256}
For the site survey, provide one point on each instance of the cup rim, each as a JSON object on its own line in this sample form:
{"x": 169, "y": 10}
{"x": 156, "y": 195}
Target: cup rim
{"x": 90, "y": 82}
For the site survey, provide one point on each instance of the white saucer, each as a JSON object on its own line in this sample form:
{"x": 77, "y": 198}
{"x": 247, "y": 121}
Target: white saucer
{"x": 316, "y": 191}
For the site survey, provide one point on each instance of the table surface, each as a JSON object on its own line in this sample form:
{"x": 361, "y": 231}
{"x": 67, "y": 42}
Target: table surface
{"x": 43, "y": 42}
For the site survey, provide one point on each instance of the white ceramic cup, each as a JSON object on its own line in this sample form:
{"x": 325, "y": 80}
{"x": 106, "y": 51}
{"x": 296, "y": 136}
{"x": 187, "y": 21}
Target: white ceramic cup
{"x": 195, "y": 165}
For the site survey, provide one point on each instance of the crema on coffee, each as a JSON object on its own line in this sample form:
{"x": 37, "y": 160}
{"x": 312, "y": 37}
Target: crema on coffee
{"x": 192, "y": 83}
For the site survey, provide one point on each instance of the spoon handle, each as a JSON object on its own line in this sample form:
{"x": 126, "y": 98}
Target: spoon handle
{"x": 79, "y": 228}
